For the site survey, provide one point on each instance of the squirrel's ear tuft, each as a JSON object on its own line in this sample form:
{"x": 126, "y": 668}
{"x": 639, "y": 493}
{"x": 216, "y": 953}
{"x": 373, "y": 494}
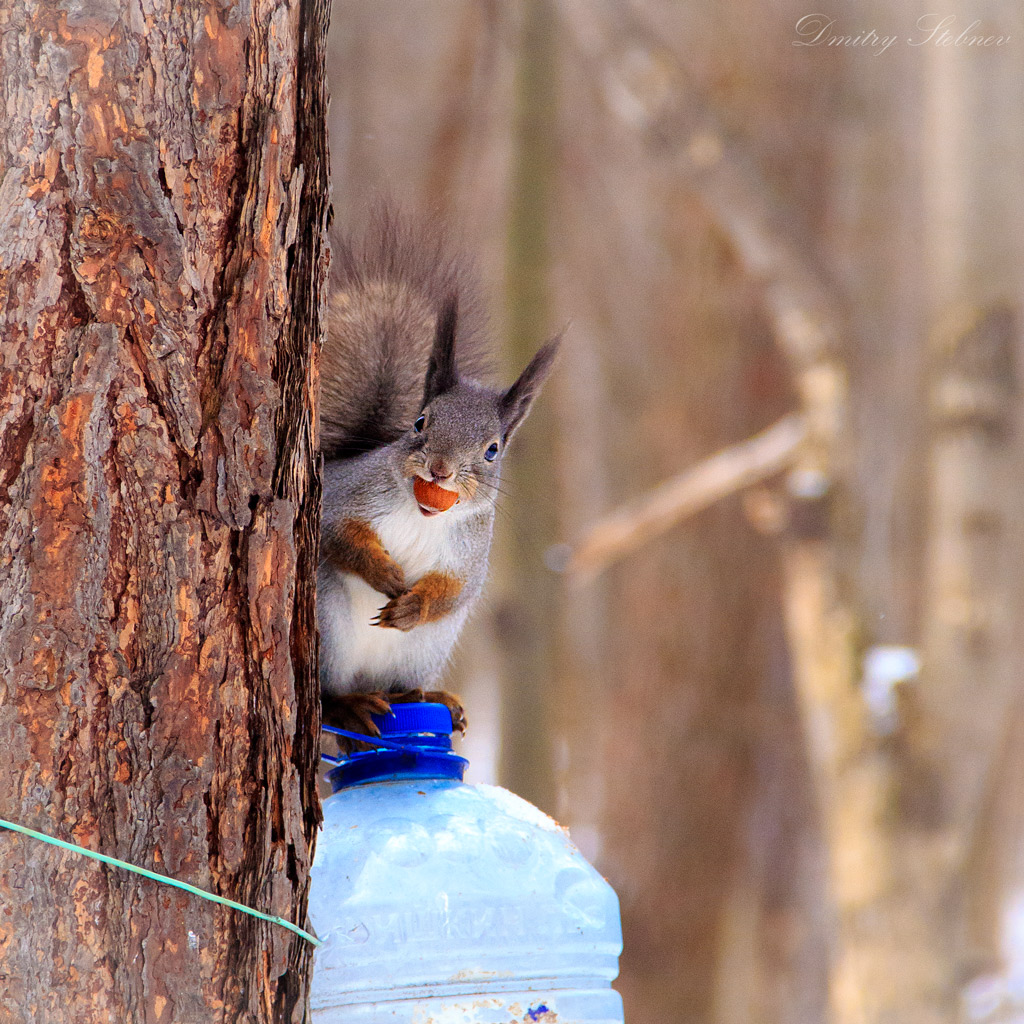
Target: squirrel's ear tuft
{"x": 442, "y": 375}
{"x": 515, "y": 403}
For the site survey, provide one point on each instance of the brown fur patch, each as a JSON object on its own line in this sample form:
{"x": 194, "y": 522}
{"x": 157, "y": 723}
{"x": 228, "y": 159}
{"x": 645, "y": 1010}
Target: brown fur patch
{"x": 353, "y": 546}
{"x": 438, "y": 593}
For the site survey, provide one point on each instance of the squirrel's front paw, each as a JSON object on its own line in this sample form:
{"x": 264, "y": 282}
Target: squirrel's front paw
{"x": 402, "y": 612}
{"x": 388, "y": 579}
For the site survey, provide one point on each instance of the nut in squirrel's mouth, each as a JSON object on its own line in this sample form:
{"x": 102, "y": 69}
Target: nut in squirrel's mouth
{"x": 432, "y": 498}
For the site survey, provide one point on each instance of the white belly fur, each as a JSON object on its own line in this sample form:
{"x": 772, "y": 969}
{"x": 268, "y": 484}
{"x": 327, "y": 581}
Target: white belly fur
{"x": 420, "y": 544}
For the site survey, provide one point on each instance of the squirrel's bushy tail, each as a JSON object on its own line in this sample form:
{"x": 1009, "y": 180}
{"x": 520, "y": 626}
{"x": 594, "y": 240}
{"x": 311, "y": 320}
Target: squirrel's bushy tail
{"x": 387, "y": 288}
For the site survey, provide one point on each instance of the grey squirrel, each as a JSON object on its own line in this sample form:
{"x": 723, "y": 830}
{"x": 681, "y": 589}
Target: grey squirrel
{"x": 413, "y": 444}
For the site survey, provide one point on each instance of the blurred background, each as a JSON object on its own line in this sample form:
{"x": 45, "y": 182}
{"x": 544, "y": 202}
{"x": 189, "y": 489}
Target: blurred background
{"x": 753, "y": 627}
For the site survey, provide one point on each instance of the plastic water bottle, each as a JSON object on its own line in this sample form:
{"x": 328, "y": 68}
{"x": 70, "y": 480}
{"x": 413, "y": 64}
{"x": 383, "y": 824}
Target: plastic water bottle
{"x": 440, "y": 902}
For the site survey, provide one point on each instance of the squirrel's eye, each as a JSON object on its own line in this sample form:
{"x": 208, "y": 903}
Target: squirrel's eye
{"x": 492, "y": 452}
{"x": 420, "y": 424}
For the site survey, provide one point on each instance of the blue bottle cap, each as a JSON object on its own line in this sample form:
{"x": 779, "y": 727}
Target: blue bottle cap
{"x": 415, "y": 717}
{"x": 416, "y": 743}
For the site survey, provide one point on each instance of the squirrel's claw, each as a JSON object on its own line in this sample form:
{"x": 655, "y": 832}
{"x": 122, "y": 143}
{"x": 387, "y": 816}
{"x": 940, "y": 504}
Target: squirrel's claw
{"x": 402, "y": 612}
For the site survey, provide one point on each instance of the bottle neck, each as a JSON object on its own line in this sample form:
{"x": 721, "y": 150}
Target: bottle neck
{"x": 421, "y": 756}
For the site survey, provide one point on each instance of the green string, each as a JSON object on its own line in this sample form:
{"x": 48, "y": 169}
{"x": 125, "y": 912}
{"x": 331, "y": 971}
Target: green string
{"x": 212, "y": 897}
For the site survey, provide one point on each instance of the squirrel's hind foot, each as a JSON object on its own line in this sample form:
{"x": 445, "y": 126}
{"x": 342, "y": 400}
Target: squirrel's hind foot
{"x": 353, "y": 711}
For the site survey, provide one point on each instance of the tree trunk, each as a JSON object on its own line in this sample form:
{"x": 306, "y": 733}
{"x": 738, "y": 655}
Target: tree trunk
{"x": 526, "y": 608}
{"x": 163, "y": 198}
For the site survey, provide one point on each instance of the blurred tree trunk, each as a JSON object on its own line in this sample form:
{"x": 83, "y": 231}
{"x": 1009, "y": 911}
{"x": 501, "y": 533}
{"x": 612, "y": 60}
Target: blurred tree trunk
{"x": 527, "y": 606}
{"x": 973, "y": 150}
{"x": 163, "y": 205}
{"x": 857, "y": 586}
{"x": 932, "y": 482}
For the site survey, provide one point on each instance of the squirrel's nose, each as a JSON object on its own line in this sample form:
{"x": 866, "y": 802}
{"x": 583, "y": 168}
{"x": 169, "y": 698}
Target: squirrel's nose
{"x": 440, "y": 469}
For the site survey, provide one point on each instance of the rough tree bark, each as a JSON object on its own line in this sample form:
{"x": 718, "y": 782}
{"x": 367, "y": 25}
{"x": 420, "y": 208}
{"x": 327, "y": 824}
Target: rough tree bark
{"x": 162, "y": 197}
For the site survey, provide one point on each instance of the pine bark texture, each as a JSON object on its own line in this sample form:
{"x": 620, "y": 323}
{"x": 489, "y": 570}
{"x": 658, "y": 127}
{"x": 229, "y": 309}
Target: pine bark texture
{"x": 162, "y": 194}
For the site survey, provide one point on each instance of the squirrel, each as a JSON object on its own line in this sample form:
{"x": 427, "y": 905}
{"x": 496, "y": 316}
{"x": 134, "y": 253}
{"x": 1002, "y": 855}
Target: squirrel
{"x": 413, "y": 444}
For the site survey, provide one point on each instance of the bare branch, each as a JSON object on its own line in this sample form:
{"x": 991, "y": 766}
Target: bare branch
{"x": 668, "y": 504}
{"x": 646, "y": 86}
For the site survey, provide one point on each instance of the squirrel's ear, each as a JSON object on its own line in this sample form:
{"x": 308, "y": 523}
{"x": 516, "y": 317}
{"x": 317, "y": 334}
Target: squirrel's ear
{"x": 441, "y": 373}
{"x": 515, "y": 403}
